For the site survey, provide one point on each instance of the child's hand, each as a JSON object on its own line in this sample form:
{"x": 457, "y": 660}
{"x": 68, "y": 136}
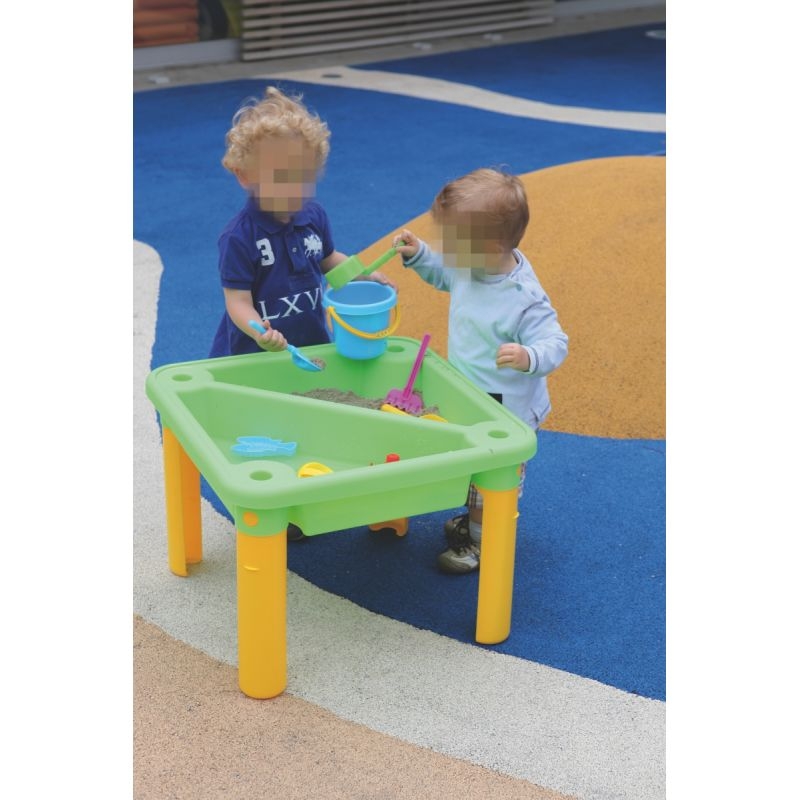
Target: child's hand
{"x": 272, "y": 341}
{"x": 411, "y": 246}
{"x": 514, "y": 356}
{"x": 378, "y": 277}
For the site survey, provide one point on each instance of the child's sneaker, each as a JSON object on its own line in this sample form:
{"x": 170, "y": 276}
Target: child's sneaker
{"x": 463, "y": 554}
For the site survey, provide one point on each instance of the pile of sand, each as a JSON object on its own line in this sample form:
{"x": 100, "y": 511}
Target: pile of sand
{"x": 353, "y": 399}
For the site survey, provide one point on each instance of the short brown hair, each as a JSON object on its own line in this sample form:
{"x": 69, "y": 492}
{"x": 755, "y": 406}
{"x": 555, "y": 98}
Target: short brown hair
{"x": 495, "y": 199}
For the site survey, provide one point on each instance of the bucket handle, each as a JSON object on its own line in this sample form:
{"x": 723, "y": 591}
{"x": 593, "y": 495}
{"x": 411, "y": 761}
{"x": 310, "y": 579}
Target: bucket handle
{"x": 364, "y": 334}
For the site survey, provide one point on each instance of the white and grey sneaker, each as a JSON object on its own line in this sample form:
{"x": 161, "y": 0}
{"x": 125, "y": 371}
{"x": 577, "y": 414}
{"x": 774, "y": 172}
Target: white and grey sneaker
{"x": 463, "y": 554}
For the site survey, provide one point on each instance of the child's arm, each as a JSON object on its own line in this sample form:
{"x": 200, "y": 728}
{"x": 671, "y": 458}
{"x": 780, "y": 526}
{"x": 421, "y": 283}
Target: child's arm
{"x": 239, "y": 305}
{"x": 543, "y": 344}
{"x": 332, "y": 260}
{"x": 419, "y": 257}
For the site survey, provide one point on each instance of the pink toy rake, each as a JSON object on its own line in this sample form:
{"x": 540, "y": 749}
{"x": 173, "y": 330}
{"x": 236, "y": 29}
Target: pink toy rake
{"x": 405, "y": 399}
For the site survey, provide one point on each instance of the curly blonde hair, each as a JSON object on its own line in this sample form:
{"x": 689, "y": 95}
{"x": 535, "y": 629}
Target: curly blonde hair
{"x": 277, "y": 115}
{"x": 494, "y": 200}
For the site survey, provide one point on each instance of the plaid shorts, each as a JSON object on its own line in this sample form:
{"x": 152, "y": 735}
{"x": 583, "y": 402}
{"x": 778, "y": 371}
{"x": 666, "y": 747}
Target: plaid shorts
{"x": 474, "y": 499}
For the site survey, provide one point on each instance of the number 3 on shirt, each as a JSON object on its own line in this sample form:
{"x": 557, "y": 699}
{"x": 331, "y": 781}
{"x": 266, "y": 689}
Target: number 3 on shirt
{"x": 267, "y": 256}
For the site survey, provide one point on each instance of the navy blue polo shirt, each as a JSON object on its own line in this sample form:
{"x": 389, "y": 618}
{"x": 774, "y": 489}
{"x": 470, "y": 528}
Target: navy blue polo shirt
{"x": 279, "y": 263}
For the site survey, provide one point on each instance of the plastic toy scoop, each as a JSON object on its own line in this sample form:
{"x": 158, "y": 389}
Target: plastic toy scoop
{"x": 312, "y": 468}
{"x": 297, "y": 357}
{"x": 405, "y": 399}
{"x": 395, "y": 410}
{"x": 259, "y": 446}
{"x": 353, "y": 267}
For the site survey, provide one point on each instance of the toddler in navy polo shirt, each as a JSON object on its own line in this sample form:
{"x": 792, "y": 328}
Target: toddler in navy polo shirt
{"x": 274, "y": 252}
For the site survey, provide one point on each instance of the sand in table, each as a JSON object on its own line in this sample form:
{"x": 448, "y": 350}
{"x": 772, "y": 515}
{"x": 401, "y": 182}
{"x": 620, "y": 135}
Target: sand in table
{"x": 353, "y": 399}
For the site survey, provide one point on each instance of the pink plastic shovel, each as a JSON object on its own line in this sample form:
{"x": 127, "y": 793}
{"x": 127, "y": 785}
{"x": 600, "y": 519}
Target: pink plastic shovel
{"x": 405, "y": 399}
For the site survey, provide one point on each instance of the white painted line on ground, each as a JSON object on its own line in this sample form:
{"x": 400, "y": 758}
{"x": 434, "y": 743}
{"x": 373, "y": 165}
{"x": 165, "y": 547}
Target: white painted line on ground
{"x": 513, "y": 716}
{"x": 442, "y": 91}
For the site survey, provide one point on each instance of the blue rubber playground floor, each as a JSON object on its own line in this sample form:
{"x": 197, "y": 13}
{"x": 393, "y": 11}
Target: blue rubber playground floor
{"x": 589, "y": 595}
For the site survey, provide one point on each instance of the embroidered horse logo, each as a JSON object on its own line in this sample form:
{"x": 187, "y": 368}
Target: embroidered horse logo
{"x": 313, "y": 245}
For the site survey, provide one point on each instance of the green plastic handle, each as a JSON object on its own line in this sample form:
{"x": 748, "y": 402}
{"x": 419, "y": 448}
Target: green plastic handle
{"x": 380, "y": 261}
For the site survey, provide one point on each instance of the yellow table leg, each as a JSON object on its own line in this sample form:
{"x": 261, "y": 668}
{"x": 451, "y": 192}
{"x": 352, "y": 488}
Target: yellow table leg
{"x": 190, "y": 499}
{"x": 178, "y": 513}
{"x": 261, "y": 589}
{"x": 496, "y": 576}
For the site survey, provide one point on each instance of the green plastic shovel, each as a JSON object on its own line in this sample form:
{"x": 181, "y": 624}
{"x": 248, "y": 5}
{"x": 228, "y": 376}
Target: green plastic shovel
{"x": 353, "y": 267}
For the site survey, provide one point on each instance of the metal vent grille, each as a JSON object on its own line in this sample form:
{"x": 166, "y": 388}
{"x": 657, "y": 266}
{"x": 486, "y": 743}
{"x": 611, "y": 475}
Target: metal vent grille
{"x": 279, "y": 28}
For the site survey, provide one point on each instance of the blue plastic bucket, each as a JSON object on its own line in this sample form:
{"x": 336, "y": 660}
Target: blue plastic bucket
{"x": 359, "y": 317}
